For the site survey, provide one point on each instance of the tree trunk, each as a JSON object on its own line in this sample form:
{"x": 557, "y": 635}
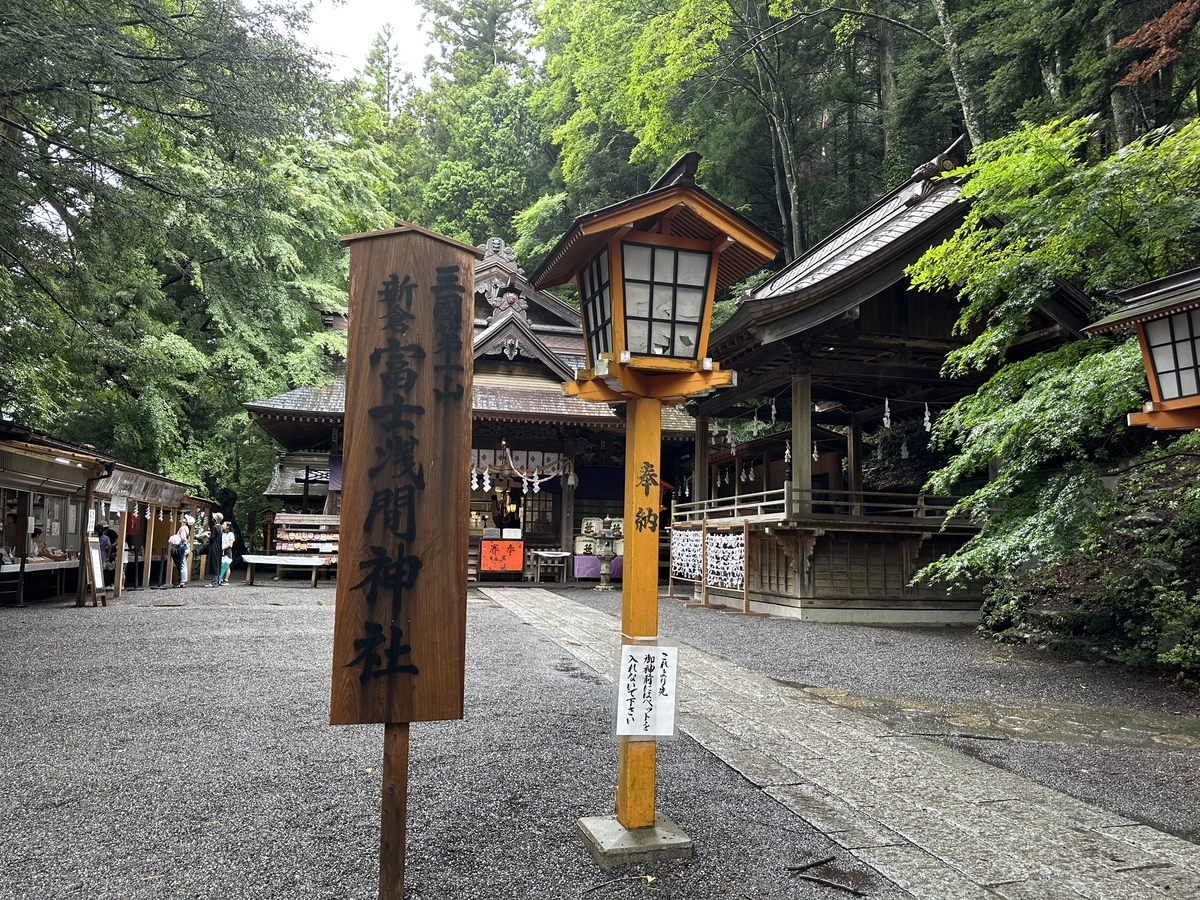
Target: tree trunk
{"x": 886, "y": 62}
{"x": 778, "y": 118}
{"x": 959, "y": 72}
{"x": 1122, "y": 108}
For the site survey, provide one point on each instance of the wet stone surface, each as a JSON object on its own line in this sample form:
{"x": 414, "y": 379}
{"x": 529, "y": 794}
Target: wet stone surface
{"x": 1125, "y": 741}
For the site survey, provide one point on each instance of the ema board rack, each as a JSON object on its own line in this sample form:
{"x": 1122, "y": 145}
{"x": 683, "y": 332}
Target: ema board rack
{"x": 306, "y": 535}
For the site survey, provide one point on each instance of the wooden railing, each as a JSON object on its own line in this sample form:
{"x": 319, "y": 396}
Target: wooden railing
{"x": 791, "y": 503}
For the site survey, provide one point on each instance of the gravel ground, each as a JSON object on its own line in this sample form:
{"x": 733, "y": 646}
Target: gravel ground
{"x": 175, "y": 745}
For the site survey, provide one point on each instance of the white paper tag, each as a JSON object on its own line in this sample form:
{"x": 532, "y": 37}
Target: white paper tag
{"x": 646, "y": 690}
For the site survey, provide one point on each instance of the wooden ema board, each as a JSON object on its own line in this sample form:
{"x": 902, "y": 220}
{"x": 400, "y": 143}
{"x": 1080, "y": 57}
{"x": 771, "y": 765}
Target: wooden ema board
{"x": 399, "y": 639}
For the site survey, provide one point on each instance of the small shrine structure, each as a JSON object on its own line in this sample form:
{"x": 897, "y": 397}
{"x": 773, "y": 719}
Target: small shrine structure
{"x": 839, "y": 344}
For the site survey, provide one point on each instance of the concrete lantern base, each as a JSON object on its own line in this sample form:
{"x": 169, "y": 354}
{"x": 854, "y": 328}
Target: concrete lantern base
{"x": 611, "y": 844}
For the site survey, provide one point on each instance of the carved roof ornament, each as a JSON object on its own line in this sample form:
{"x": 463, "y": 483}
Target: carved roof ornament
{"x": 495, "y": 250}
{"x": 505, "y": 299}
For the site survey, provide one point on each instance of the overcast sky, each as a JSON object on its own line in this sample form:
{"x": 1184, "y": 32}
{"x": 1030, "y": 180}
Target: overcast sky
{"x": 346, "y": 28}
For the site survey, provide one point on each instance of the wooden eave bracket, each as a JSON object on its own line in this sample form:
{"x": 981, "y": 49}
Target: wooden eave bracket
{"x": 1180, "y": 419}
{"x": 611, "y": 382}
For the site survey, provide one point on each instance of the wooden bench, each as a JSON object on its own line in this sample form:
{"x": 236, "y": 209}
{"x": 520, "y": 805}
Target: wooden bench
{"x": 282, "y": 562}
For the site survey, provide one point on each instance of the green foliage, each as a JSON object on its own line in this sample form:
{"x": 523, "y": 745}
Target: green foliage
{"x": 1049, "y": 423}
{"x": 900, "y": 458}
{"x": 173, "y": 182}
{"x": 1046, "y": 206}
{"x": 1130, "y": 589}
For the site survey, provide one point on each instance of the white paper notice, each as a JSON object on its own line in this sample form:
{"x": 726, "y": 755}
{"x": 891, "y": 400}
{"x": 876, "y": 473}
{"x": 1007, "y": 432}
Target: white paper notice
{"x": 646, "y": 691}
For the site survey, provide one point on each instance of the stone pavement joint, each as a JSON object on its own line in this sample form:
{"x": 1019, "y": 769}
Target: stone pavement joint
{"x": 937, "y": 823}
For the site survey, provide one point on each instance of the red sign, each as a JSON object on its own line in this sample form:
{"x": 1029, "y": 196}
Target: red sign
{"x": 501, "y": 556}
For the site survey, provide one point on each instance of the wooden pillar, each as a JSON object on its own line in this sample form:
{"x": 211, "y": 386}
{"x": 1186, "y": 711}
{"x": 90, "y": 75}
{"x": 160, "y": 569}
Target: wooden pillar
{"x": 639, "y": 593}
{"x": 566, "y": 533}
{"x": 148, "y": 547}
{"x": 802, "y": 441}
{"x": 394, "y": 820}
{"x": 119, "y": 566}
{"x": 700, "y": 470}
{"x": 854, "y": 461}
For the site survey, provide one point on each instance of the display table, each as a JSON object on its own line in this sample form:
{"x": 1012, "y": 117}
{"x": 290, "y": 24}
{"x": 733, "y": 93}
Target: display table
{"x": 589, "y": 567}
{"x": 34, "y": 566}
{"x": 41, "y": 564}
{"x": 280, "y": 561}
{"x": 501, "y": 557}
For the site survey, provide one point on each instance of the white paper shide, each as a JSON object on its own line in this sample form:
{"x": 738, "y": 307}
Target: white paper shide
{"x": 646, "y": 691}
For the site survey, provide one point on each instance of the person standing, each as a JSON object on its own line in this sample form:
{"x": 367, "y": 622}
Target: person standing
{"x": 105, "y": 548}
{"x": 226, "y": 551}
{"x": 215, "y": 536}
{"x": 10, "y": 532}
{"x": 182, "y": 549}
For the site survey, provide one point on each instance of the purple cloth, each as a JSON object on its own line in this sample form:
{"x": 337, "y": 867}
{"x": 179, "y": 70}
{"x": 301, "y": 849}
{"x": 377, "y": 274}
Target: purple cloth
{"x": 589, "y": 567}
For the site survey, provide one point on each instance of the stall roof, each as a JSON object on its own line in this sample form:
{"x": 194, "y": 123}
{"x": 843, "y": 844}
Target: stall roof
{"x": 67, "y": 465}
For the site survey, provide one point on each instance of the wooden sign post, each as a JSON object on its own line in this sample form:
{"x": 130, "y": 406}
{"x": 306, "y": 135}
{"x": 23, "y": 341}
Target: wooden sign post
{"x": 399, "y": 640}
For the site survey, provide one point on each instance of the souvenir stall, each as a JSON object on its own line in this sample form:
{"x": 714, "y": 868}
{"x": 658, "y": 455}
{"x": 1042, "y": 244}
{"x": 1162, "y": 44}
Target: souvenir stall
{"x": 44, "y": 485}
{"x": 143, "y": 510}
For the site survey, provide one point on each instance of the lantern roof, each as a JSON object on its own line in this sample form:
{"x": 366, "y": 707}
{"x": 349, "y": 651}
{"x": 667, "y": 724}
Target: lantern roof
{"x": 673, "y": 205}
{"x": 1153, "y": 300}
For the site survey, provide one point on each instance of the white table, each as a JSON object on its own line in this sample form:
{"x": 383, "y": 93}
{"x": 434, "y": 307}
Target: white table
{"x": 281, "y": 561}
{"x": 552, "y": 559}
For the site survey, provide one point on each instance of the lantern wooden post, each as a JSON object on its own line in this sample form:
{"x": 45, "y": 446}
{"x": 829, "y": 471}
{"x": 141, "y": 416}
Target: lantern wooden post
{"x": 399, "y": 641}
{"x": 639, "y": 592}
{"x": 647, "y": 271}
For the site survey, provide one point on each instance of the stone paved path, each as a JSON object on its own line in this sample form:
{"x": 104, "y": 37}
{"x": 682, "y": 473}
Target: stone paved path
{"x": 939, "y": 824}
